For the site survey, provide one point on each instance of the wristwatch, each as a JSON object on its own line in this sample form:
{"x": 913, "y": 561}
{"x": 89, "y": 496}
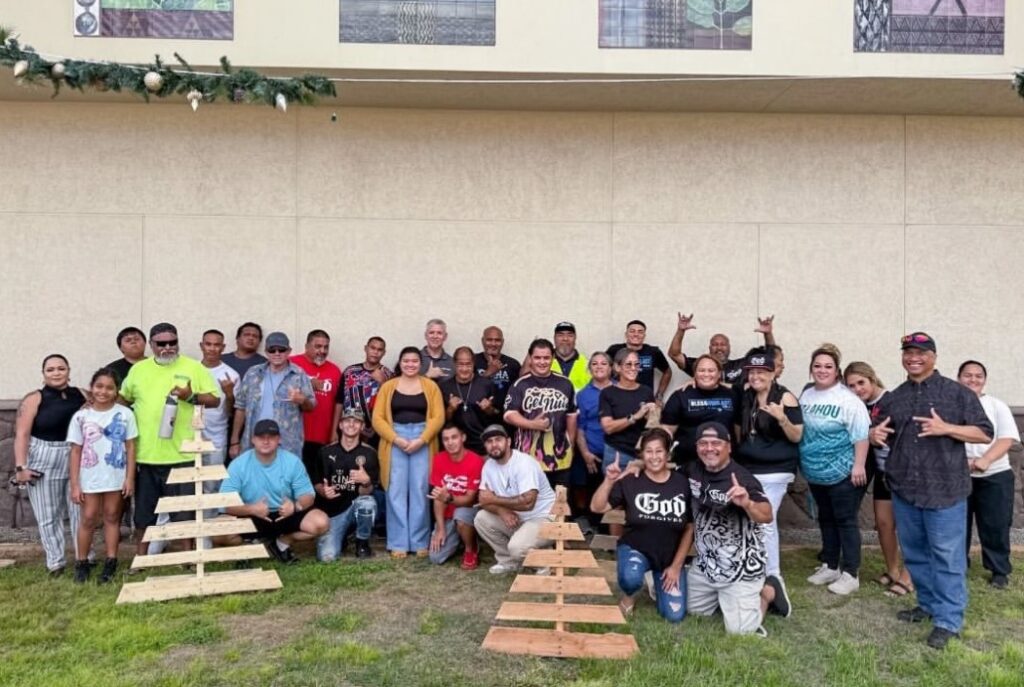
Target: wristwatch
{"x": 20, "y": 468}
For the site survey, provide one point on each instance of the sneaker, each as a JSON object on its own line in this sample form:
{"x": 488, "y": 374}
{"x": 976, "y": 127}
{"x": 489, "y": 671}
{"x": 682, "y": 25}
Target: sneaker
{"x": 846, "y": 584}
{"x": 82, "y": 570}
{"x": 109, "y": 568}
{"x": 502, "y": 568}
{"x": 761, "y": 632}
{"x": 542, "y": 571}
{"x": 470, "y": 560}
{"x": 913, "y": 615}
{"x": 940, "y": 637}
{"x": 649, "y": 581}
{"x": 780, "y": 604}
{"x": 824, "y": 575}
{"x": 57, "y": 572}
{"x": 999, "y": 581}
{"x": 363, "y": 549}
{"x": 282, "y": 555}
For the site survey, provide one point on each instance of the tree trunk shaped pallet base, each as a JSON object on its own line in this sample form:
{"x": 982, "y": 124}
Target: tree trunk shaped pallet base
{"x": 560, "y": 641}
{"x": 201, "y": 583}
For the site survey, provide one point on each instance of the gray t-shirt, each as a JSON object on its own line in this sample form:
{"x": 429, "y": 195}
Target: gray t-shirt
{"x": 445, "y": 363}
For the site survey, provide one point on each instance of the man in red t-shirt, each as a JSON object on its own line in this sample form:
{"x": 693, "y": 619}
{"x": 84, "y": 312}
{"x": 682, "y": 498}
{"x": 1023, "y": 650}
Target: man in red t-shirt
{"x": 454, "y": 481}
{"x": 325, "y": 377}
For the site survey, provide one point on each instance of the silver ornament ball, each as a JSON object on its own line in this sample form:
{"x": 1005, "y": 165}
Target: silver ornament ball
{"x": 153, "y": 81}
{"x": 58, "y": 70}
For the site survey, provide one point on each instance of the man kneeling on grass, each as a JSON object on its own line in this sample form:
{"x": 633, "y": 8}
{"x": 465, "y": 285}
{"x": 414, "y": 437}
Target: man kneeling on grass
{"x": 454, "y": 481}
{"x": 276, "y": 492}
{"x": 728, "y": 503}
{"x": 346, "y": 473}
{"x": 515, "y": 500}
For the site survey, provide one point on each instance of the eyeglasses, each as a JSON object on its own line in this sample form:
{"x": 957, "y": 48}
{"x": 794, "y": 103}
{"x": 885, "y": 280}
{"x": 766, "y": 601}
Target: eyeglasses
{"x": 276, "y": 349}
{"x": 916, "y": 338}
{"x": 631, "y": 365}
{"x": 165, "y": 344}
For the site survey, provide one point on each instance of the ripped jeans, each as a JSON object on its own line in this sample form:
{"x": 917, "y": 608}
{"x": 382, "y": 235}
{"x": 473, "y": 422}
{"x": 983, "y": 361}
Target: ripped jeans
{"x": 632, "y": 565}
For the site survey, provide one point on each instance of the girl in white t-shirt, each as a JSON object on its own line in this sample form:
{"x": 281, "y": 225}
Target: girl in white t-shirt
{"x": 102, "y": 438}
{"x": 990, "y": 504}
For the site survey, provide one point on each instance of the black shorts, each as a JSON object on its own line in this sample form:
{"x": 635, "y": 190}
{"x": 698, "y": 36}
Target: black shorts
{"x": 273, "y": 528}
{"x": 881, "y": 491}
{"x": 151, "y": 485}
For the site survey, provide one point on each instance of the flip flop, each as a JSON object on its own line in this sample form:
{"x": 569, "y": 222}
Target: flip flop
{"x": 626, "y": 607}
{"x": 898, "y": 589}
{"x": 885, "y": 580}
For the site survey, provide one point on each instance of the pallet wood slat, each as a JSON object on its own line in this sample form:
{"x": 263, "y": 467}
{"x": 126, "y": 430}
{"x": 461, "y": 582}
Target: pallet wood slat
{"x": 190, "y": 475}
{"x": 544, "y": 642}
{"x": 227, "y": 553}
{"x": 182, "y": 586}
{"x": 567, "y": 613}
{"x": 546, "y": 584}
{"x": 220, "y": 527}
{"x": 546, "y": 558}
{"x": 614, "y": 517}
{"x": 175, "y": 504}
{"x": 604, "y": 542}
{"x": 561, "y": 531}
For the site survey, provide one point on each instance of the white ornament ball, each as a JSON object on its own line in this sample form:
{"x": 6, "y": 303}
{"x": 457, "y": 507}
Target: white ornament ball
{"x": 154, "y": 82}
{"x": 57, "y": 70}
{"x": 20, "y": 68}
{"x": 194, "y": 97}
{"x": 280, "y": 102}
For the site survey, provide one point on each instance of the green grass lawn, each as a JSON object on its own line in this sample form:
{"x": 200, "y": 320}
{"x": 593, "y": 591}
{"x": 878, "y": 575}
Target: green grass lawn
{"x": 409, "y": 623}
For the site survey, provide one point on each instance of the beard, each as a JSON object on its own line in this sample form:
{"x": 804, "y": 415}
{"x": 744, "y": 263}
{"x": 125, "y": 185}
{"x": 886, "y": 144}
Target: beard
{"x": 165, "y": 359}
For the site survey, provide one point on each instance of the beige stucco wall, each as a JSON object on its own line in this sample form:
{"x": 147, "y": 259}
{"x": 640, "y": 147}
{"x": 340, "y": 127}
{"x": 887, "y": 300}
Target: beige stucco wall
{"x": 851, "y": 229}
{"x": 791, "y": 37}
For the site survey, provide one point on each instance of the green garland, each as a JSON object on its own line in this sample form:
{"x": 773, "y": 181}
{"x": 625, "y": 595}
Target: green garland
{"x": 243, "y": 85}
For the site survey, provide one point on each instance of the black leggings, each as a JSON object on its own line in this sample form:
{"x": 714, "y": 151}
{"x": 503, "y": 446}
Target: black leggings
{"x": 838, "y": 511}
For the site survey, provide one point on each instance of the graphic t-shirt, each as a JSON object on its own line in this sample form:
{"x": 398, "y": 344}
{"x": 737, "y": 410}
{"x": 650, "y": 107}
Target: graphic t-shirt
{"x": 687, "y": 408}
{"x": 317, "y": 422}
{"x": 554, "y": 396}
{"x": 519, "y": 475}
{"x": 359, "y": 390}
{"x": 656, "y": 514}
{"x": 729, "y": 544}
{"x": 215, "y": 419}
{"x": 502, "y": 379}
{"x": 469, "y": 415}
{"x": 242, "y": 365}
{"x": 146, "y": 387}
{"x": 651, "y": 359}
{"x": 284, "y": 478}
{"x": 334, "y": 465}
{"x": 617, "y": 403}
{"x": 457, "y": 477}
{"x": 834, "y": 420}
{"x": 102, "y": 434}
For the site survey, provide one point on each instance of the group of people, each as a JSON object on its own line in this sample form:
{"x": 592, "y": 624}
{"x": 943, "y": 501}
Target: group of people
{"x": 448, "y": 449}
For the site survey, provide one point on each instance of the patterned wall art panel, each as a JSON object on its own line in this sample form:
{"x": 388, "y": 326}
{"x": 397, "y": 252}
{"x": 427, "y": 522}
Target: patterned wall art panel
{"x": 421, "y": 22}
{"x": 190, "y": 19}
{"x": 969, "y": 27}
{"x": 676, "y": 24}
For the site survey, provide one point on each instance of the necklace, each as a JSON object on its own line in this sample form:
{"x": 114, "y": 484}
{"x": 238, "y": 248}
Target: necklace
{"x": 469, "y": 394}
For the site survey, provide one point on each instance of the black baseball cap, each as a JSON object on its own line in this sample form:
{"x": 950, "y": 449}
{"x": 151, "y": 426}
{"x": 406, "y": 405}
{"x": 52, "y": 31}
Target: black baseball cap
{"x": 264, "y": 427}
{"x": 760, "y": 361}
{"x": 565, "y": 327}
{"x": 717, "y": 429}
{"x": 494, "y": 430}
{"x": 918, "y": 340}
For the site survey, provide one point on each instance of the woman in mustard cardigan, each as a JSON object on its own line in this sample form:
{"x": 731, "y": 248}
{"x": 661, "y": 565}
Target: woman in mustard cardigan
{"x": 408, "y": 414}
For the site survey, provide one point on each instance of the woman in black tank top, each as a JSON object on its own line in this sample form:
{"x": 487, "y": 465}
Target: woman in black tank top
{"x": 41, "y": 456}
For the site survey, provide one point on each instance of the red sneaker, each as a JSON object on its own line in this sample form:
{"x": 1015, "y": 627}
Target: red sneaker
{"x": 470, "y": 560}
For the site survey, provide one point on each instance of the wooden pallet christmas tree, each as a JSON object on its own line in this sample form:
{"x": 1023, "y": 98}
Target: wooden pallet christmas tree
{"x": 560, "y": 641}
{"x": 201, "y": 583}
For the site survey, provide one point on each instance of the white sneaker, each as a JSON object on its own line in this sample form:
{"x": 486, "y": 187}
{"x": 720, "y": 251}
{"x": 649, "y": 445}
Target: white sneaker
{"x": 501, "y": 569}
{"x": 649, "y": 581}
{"x": 846, "y": 584}
{"x": 824, "y": 575}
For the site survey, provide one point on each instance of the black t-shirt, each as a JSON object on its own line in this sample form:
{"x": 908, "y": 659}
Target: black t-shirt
{"x": 732, "y": 371}
{"x": 764, "y": 448}
{"x": 688, "y": 408}
{"x": 728, "y": 542}
{"x": 502, "y": 379}
{"x": 651, "y": 359}
{"x": 617, "y": 403}
{"x": 242, "y": 365}
{"x": 469, "y": 416}
{"x": 553, "y": 395}
{"x": 120, "y": 368}
{"x": 656, "y": 515}
{"x": 334, "y": 464}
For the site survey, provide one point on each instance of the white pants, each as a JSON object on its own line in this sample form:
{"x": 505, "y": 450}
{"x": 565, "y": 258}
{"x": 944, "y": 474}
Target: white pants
{"x": 775, "y": 489}
{"x": 510, "y": 545}
{"x": 740, "y": 602}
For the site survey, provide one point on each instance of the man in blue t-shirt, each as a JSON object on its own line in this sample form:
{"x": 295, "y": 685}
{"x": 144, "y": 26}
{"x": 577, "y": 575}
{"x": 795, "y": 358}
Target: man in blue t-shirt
{"x": 276, "y": 493}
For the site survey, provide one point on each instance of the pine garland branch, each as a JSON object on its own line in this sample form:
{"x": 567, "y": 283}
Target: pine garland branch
{"x": 234, "y": 85}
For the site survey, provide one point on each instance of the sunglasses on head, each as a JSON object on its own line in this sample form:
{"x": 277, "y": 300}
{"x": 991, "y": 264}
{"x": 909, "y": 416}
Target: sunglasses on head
{"x": 277, "y": 349}
{"x": 916, "y": 338}
{"x": 165, "y": 344}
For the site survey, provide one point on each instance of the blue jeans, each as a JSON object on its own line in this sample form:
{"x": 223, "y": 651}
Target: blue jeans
{"x": 632, "y": 566}
{"x": 363, "y": 510}
{"x": 609, "y": 457}
{"x": 452, "y": 540}
{"x": 935, "y": 552}
{"x": 408, "y": 514}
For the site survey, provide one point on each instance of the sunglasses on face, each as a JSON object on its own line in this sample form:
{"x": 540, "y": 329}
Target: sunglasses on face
{"x": 916, "y": 338}
{"x": 165, "y": 344}
{"x": 275, "y": 349}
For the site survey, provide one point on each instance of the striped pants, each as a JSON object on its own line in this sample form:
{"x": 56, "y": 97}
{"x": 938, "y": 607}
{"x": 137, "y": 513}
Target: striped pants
{"x": 51, "y": 498}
